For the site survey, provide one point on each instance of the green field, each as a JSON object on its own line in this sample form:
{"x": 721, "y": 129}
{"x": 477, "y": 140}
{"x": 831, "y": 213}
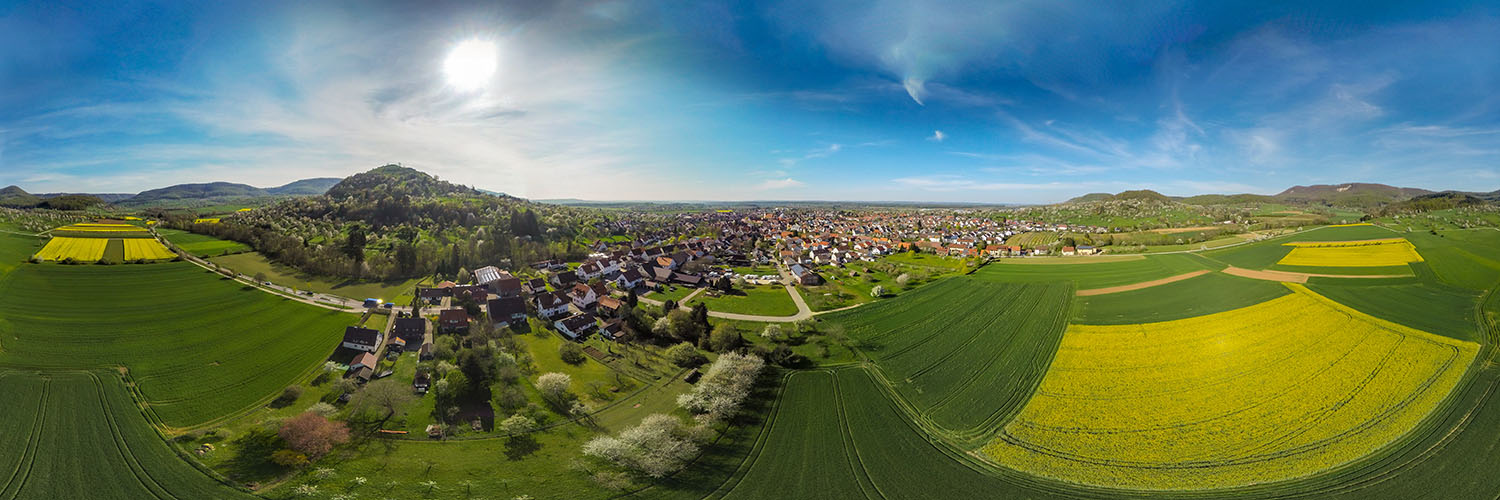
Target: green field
{"x": 253, "y": 263}
{"x": 79, "y": 435}
{"x": 1465, "y": 258}
{"x": 202, "y": 245}
{"x": 199, "y": 345}
{"x": 764, "y": 300}
{"x": 1266, "y": 253}
{"x": 1087, "y": 274}
{"x": 937, "y": 359}
{"x": 1197, "y": 296}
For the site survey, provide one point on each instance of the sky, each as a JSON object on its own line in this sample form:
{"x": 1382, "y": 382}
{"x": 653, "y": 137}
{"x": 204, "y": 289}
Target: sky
{"x": 879, "y": 100}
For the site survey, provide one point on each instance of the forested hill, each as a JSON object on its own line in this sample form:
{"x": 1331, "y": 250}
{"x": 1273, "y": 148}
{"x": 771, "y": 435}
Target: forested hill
{"x": 395, "y": 181}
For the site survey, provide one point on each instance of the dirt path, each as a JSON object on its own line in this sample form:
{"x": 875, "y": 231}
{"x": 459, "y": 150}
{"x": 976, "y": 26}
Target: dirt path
{"x": 1138, "y": 286}
{"x": 1288, "y": 277}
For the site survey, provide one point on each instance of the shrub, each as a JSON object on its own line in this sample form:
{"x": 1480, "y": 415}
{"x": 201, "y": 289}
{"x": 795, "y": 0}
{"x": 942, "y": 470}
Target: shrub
{"x": 554, "y": 386}
{"x": 289, "y": 458}
{"x": 312, "y": 434}
{"x": 571, "y": 353}
{"x": 288, "y": 396}
{"x": 685, "y": 355}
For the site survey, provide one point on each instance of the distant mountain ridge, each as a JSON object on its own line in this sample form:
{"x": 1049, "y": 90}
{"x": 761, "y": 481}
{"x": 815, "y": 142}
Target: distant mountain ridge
{"x": 225, "y": 190}
{"x": 1354, "y": 194}
{"x": 394, "y": 180}
{"x": 15, "y": 197}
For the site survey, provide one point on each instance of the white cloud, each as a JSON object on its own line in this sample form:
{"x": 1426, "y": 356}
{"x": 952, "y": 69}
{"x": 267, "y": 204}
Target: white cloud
{"x": 786, "y": 183}
{"x": 937, "y": 136}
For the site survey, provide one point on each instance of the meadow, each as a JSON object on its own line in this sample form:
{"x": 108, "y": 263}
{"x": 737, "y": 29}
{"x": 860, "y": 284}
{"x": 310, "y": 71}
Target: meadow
{"x": 1229, "y": 400}
{"x": 966, "y": 373}
{"x": 1092, "y": 272}
{"x": 202, "y": 245}
{"x": 79, "y": 435}
{"x": 253, "y": 263}
{"x": 199, "y": 346}
{"x": 764, "y": 300}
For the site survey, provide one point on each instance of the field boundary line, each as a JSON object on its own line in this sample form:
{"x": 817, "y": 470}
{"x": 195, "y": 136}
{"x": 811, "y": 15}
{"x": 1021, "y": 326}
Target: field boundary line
{"x": 748, "y": 462}
{"x": 1142, "y": 285}
{"x": 28, "y": 457}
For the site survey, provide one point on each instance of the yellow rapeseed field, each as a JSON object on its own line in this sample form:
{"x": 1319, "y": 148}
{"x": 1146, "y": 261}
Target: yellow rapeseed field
{"x": 211, "y": 220}
{"x": 145, "y": 248}
{"x": 1369, "y": 253}
{"x": 1278, "y": 390}
{"x": 79, "y": 249}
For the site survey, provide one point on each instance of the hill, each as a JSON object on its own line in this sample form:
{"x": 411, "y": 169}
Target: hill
{"x": 197, "y": 192}
{"x": 1091, "y": 197}
{"x": 394, "y": 181}
{"x": 1228, "y": 199}
{"x": 14, "y": 196}
{"x": 1352, "y": 195}
{"x": 1142, "y": 194}
{"x": 1435, "y": 201}
{"x": 304, "y": 187}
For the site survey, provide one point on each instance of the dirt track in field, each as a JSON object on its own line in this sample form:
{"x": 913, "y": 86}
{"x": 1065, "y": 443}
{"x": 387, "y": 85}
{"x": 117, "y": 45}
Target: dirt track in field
{"x": 1287, "y": 277}
{"x": 1138, "y": 286}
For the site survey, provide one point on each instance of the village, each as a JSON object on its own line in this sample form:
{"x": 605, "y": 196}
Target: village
{"x": 580, "y": 300}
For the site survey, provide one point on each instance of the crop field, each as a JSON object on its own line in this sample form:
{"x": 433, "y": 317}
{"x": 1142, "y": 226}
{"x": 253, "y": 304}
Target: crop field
{"x": 1264, "y": 254}
{"x": 199, "y": 347}
{"x": 79, "y": 249}
{"x": 1466, "y": 258}
{"x": 101, "y": 230}
{"x": 252, "y": 263}
{"x": 1367, "y": 253}
{"x": 79, "y": 436}
{"x": 1033, "y": 239}
{"x": 1229, "y": 399}
{"x": 202, "y": 245}
{"x": 143, "y": 249}
{"x": 1198, "y": 296}
{"x": 966, "y": 373}
{"x": 1087, "y": 273}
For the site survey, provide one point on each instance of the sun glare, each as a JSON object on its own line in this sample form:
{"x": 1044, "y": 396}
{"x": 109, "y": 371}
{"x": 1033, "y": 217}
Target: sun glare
{"x": 470, "y": 64}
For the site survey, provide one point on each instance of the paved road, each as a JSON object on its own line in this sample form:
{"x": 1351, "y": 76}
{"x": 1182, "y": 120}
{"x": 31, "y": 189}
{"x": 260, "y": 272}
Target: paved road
{"x": 803, "y": 312}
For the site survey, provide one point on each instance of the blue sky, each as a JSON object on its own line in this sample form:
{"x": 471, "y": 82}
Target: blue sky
{"x": 1030, "y": 101}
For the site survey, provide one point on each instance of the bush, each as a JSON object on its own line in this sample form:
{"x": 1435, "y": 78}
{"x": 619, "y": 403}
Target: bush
{"x": 289, "y": 458}
{"x": 571, "y": 353}
{"x": 685, "y": 355}
{"x": 554, "y": 386}
{"x": 288, "y": 396}
{"x": 313, "y": 435}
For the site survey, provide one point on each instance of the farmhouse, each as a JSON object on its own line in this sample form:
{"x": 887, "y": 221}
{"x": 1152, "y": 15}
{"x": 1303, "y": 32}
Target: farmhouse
{"x": 453, "y": 320}
{"x": 410, "y": 330}
{"x": 475, "y": 293}
{"x": 613, "y": 330}
{"x": 551, "y": 304}
{"x": 806, "y": 276}
{"x": 362, "y": 339}
{"x": 1087, "y": 250}
{"x": 564, "y": 279}
{"x": 577, "y": 326}
{"x": 507, "y": 311}
{"x": 609, "y": 307}
{"x": 630, "y": 279}
{"x": 434, "y": 296}
{"x": 507, "y": 287}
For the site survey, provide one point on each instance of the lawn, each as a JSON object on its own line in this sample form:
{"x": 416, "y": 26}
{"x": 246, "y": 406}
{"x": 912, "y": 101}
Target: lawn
{"x": 764, "y": 300}
{"x": 671, "y": 293}
{"x": 202, "y": 245}
{"x": 200, "y": 346}
{"x": 87, "y": 439}
{"x": 253, "y": 263}
{"x": 926, "y": 260}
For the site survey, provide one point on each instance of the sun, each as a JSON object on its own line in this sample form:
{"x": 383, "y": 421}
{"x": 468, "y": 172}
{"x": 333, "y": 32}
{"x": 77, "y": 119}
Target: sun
{"x": 470, "y": 64}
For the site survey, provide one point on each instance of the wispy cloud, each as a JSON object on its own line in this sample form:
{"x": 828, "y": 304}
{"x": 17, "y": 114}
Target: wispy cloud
{"x": 786, "y": 183}
{"x": 937, "y": 136}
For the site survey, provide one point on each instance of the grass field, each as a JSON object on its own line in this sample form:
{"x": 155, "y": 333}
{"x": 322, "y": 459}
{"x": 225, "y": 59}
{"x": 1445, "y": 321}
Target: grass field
{"x": 78, "y": 435}
{"x": 1466, "y": 258}
{"x": 1264, "y": 254}
{"x": 1086, "y": 274}
{"x": 965, "y": 372}
{"x": 253, "y": 263}
{"x": 1229, "y": 399}
{"x": 1201, "y": 295}
{"x": 199, "y": 346}
{"x": 764, "y": 300}
{"x": 202, "y": 245}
